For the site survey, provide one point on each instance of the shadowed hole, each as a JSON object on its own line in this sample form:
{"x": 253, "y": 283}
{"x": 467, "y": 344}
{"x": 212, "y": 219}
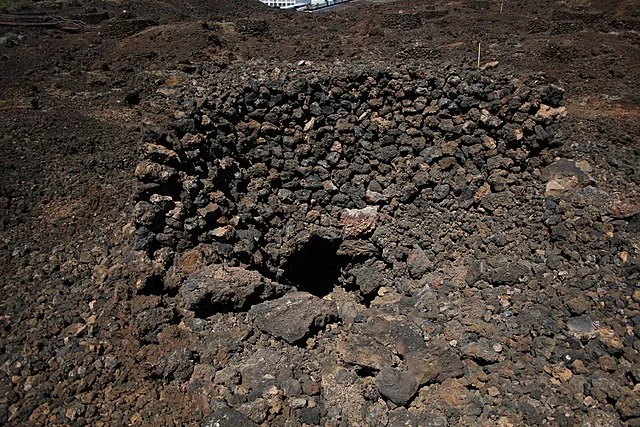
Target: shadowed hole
{"x": 315, "y": 267}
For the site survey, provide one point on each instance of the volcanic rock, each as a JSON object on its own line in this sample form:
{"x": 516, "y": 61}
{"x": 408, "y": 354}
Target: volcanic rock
{"x": 357, "y": 222}
{"x": 293, "y": 316}
{"x": 218, "y": 288}
{"x": 397, "y": 386}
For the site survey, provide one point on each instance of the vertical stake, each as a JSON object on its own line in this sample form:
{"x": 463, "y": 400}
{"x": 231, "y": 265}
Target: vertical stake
{"x": 501, "y": 4}
{"x": 478, "y": 54}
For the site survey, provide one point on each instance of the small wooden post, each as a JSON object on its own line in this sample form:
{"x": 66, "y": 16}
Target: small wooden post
{"x": 478, "y": 54}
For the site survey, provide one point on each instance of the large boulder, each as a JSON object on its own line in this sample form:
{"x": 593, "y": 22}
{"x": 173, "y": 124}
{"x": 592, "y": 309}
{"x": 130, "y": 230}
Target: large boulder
{"x": 218, "y": 288}
{"x": 294, "y": 316}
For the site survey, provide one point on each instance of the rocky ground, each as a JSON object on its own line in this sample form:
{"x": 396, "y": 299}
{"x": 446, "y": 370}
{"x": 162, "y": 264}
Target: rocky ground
{"x": 213, "y": 213}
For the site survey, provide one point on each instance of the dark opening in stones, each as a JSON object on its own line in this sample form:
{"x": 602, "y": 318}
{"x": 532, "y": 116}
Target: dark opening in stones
{"x": 366, "y": 371}
{"x": 153, "y": 285}
{"x": 315, "y": 267}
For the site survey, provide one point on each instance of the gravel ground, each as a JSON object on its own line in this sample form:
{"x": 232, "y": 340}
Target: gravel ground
{"x": 218, "y": 214}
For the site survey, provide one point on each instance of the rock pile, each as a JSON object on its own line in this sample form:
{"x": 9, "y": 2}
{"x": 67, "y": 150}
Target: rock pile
{"x": 314, "y": 178}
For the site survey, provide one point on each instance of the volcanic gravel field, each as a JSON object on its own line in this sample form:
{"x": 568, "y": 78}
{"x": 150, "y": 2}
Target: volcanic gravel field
{"x": 213, "y": 213}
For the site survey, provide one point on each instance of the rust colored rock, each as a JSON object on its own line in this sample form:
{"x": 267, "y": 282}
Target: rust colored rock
{"x": 358, "y": 222}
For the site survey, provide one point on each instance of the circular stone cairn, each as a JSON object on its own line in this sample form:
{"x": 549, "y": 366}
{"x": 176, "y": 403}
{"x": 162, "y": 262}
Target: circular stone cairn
{"x": 348, "y": 177}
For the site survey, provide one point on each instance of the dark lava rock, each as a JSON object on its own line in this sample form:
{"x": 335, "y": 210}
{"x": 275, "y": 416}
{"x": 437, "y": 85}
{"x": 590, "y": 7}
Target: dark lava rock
{"x": 402, "y": 417}
{"x": 603, "y": 388}
{"x": 294, "y": 316}
{"x": 291, "y": 387}
{"x": 151, "y": 321}
{"x": 634, "y": 224}
{"x": 177, "y": 365}
{"x": 369, "y": 278}
{"x": 143, "y": 239}
{"x": 629, "y": 405}
{"x": 507, "y": 271}
{"x": 397, "y": 386}
{"x": 310, "y": 416}
{"x": 132, "y": 98}
{"x": 433, "y": 420}
{"x": 553, "y": 95}
{"x": 554, "y": 261}
{"x": 441, "y": 191}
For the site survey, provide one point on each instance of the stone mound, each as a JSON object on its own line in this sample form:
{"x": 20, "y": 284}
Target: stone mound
{"x": 351, "y": 176}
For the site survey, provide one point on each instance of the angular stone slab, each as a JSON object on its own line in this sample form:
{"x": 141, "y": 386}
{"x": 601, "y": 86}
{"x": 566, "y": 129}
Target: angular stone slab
{"x": 218, "y": 288}
{"x": 293, "y": 316}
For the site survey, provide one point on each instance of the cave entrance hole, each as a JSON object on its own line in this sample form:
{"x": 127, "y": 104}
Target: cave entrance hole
{"x": 315, "y": 267}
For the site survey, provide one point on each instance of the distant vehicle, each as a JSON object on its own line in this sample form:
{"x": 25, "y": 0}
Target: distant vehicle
{"x": 303, "y": 5}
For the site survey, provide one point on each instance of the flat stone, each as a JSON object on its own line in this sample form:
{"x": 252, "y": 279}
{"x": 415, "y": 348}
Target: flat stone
{"x": 556, "y": 187}
{"x": 218, "y": 288}
{"x": 310, "y": 124}
{"x": 365, "y": 351}
{"x": 264, "y": 369}
{"x": 397, "y": 386}
{"x": 298, "y": 402}
{"x": 294, "y": 316}
{"x": 221, "y": 232}
{"x": 356, "y": 248}
{"x": 492, "y": 64}
{"x": 563, "y": 175}
{"x": 581, "y": 326}
{"x": 372, "y": 344}
{"x": 584, "y": 166}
